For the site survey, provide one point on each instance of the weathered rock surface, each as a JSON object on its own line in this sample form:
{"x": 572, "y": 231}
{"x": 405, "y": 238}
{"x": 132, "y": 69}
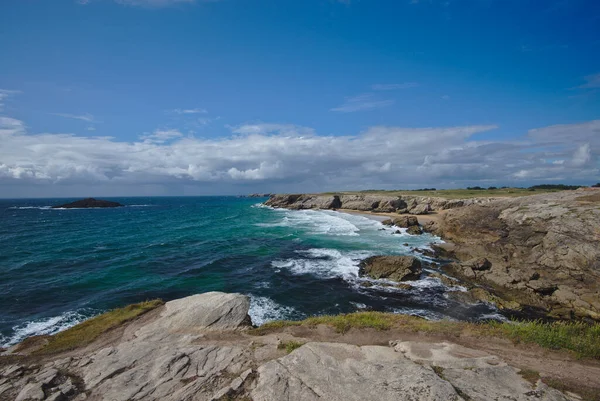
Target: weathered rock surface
{"x": 476, "y": 375}
{"x": 543, "y": 250}
{"x": 368, "y": 202}
{"x": 396, "y": 268}
{"x": 188, "y": 351}
{"x": 414, "y": 230}
{"x": 342, "y": 372}
{"x": 88, "y": 203}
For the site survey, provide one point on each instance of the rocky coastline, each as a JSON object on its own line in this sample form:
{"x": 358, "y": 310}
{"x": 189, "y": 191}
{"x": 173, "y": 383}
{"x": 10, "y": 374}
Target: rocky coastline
{"x": 538, "y": 253}
{"x": 203, "y": 348}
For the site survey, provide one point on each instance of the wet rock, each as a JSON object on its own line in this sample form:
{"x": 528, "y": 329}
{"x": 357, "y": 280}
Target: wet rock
{"x": 414, "y": 230}
{"x": 396, "y": 268}
{"x": 479, "y": 264}
{"x": 446, "y": 280}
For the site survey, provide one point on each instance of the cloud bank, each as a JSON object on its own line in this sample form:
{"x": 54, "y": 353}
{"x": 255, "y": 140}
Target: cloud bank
{"x": 284, "y": 156}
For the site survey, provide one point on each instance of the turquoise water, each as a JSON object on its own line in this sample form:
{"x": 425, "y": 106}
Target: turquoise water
{"x": 58, "y": 267}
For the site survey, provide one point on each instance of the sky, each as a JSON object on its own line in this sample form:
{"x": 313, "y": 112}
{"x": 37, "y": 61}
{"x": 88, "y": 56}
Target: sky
{"x": 225, "y": 97}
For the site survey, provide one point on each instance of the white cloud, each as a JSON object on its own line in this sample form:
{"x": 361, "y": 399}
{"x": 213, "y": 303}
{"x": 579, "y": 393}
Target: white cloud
{"x": 388, "y": 87}
{"x": 190, "y": 111}
{"x": 363, "y": 102}
{"x": 5, "y": 94}
{"x": 161, "y": 136}
{"x": 87, "y": 117}
{"x": 154, "y": 3}
{"x": 582, "y": 156}
{"x": 294, "y": 158}
{"x": 592, "y": 82}
{"x": 265, "y": 129}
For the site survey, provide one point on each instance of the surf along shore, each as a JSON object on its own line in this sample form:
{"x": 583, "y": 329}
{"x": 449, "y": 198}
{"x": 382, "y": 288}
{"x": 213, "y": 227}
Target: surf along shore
{"x": 537, "y": 254}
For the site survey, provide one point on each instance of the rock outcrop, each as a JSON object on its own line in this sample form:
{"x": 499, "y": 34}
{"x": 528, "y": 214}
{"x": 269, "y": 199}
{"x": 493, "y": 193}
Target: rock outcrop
{"x": 541, "y": 251}
{"x": 196, "y": 348}
{"x": 88, "y": 203}
{"x": 396, "y": 268}
{"x": 412, "y": 204}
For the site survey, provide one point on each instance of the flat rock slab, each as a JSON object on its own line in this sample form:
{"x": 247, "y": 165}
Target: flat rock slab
{"x": 343, "y": 372}
{"x": 477, "y": 375}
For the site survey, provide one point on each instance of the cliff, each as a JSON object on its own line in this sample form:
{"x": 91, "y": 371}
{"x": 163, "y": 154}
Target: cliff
{"x": 543, "y": 250}
{"x": 201, "y": 348}
{"x": 538, "y": 253}
{"x": 412, "y": 204}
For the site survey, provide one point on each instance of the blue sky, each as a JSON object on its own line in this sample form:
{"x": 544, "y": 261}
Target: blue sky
{"x": 184, "y": 97}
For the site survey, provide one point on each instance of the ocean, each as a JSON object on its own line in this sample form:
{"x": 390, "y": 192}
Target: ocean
{"x": 59, "y": 267}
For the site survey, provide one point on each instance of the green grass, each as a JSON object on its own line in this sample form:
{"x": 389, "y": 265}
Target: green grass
{"x": 86, "y": 332}
{"x": 289, "y": 346}
{"x": 455, "y": 193}
{"x": 581, "y": 338}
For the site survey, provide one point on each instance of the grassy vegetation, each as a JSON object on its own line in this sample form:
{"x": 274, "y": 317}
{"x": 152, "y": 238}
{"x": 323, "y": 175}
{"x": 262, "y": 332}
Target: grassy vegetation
{"x": 581, "y": 338}
{"x": 289, "y": 346}
{"x": 86, "y": 332}
{"x": 462, "y": 193}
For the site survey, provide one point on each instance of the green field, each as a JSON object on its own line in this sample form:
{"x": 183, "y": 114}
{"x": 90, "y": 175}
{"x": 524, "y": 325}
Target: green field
{"x": 455, "y": 193}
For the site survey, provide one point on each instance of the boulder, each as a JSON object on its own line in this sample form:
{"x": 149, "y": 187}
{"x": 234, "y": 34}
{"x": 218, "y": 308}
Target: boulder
{"x": 211, "y": 310}
{"x": 479, "y": 264}
{"x": 423, "y": 208}
{"x": 88, "y": 203}
{"x": 406, "y": 221}
{"x": 414, "y": 230}
{"x": 396, "y": 268}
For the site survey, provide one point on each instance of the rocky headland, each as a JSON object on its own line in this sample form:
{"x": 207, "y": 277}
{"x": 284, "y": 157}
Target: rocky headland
{"x": 203, "y": 348}
{"x": 88, "y": 203}
{"x": 538, "y": 253}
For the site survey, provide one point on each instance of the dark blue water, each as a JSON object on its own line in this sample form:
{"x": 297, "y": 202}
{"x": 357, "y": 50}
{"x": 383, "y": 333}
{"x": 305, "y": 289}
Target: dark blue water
{"x": 58, "y": 267}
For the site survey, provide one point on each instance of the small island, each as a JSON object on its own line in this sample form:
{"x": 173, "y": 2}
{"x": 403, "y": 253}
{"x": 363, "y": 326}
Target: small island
{"x": 88, "y": 203}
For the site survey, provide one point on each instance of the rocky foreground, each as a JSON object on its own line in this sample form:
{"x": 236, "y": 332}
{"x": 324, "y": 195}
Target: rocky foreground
{"x": 538, "y": 253}
{"x": 198, "y": 348}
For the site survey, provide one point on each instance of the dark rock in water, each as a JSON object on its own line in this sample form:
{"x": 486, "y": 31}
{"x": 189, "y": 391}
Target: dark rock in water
{"x": 88, "y": 203}
{"x": 414, "y": 230}
{"x": 396, "y": 268}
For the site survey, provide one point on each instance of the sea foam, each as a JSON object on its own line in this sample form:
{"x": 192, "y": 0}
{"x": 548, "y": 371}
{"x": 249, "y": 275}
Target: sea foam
{"x": 51, "y": 325}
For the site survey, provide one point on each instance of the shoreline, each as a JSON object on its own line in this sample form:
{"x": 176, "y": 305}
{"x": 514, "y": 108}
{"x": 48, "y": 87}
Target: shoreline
{"x": 381, "y": 216}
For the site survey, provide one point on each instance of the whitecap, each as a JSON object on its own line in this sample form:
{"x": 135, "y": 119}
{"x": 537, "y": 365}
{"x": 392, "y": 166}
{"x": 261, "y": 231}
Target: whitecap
{"x": 263, "y": 309}
{"x": 324, "y": 262}
{"x": 424, "y": 313}
{"x": 51, "y": 325}
{"x": 31, "y": 207}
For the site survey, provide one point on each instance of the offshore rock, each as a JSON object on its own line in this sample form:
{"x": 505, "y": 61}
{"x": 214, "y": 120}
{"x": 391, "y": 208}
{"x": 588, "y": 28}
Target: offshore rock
{"x": 88, "y": 203}
{"x": 396, "y": 268}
